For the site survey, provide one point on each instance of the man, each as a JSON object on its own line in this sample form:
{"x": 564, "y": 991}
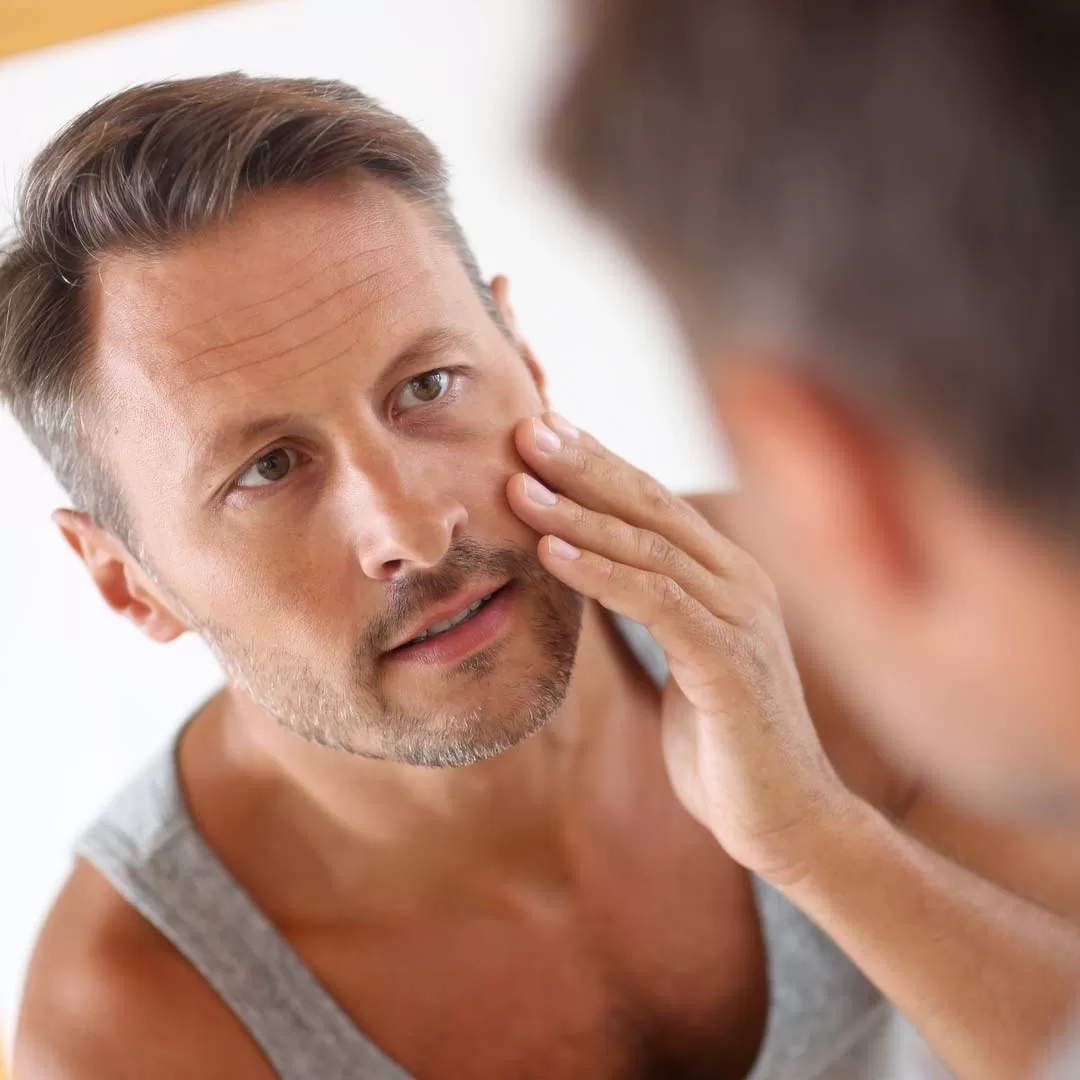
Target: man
{"x": 241, "y": 322}
{"x": 864, "y": 215}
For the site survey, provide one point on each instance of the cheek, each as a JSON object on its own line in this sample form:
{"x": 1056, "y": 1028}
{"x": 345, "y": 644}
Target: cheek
{"x": 479, "y": 468}
{"x": 275, "y": 589}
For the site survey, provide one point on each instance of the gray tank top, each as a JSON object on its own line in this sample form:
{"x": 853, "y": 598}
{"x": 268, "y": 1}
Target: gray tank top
{"x": 826, "y": 1022}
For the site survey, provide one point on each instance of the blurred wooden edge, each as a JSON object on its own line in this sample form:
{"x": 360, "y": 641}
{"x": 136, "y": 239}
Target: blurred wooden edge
{"x": 33, "y": 24}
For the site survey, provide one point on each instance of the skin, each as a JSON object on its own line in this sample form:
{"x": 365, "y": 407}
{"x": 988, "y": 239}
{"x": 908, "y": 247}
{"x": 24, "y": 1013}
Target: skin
{"x": 617, "y": 938}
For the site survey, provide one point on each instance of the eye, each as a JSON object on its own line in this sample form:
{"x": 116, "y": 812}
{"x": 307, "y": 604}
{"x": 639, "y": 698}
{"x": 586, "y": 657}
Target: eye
{"x": 269, "y": 469}
{"x": 423, "y": 390}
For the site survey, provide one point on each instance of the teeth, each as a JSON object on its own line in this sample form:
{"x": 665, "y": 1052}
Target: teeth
{"x": 449, "y": 624}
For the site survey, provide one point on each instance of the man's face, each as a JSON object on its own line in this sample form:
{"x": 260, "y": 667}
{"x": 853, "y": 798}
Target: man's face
{"x": 309, "y": 412}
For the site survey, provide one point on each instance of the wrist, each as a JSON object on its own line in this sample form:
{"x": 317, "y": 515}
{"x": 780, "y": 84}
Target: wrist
{"x": 826, "y": 841}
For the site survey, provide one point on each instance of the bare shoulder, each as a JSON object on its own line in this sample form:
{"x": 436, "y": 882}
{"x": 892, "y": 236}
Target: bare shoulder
{"x": 107, "y": 996}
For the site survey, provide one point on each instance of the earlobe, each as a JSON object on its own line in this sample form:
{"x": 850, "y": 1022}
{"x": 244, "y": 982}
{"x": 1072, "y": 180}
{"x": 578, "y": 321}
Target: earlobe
{"x": 157, "y": 622}
{"x": 119, "y": 579}
{"x": 500, "y": 292}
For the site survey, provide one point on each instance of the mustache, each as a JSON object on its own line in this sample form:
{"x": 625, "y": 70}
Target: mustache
{"x": 466, "y": 559}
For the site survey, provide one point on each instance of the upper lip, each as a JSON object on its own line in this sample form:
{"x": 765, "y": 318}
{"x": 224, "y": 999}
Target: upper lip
{"x": 451, "y": 606}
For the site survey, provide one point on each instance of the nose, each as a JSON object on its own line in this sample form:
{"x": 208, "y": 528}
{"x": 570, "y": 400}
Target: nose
{"x": 404, "y": 520}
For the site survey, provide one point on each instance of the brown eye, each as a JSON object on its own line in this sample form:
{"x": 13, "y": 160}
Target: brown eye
{"x": 269, "y": 469}
{"x": 423, "y": 390}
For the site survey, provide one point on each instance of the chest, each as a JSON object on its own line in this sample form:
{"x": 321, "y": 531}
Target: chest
{"x": 650, "y": 967}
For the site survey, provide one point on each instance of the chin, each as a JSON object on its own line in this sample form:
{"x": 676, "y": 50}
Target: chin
{"x": 464, "y": 733}
{"x": 469, "y": 744}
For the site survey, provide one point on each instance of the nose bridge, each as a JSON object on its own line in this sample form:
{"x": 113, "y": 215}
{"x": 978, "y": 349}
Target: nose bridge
{"x": 402, "y": 516}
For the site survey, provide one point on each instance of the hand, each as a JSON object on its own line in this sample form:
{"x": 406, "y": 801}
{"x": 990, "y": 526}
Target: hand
{"x": 739, "y": 744}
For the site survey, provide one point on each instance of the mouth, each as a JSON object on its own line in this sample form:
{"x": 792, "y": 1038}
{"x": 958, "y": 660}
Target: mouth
{"x": 464, "y": 631}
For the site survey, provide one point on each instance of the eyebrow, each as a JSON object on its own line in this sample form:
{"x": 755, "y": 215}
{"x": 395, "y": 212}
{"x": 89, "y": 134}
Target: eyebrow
{"x": 428, "y": 346}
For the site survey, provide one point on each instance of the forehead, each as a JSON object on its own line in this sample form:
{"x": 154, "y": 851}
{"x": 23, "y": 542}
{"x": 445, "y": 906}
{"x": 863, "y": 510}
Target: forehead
{"x": 295, "y": 281}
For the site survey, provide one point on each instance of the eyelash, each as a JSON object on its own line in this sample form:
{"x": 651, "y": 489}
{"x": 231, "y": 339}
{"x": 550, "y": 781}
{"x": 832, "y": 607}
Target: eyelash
{"x": 454, "y": 376}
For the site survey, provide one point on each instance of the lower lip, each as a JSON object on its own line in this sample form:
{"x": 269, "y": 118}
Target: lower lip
{"x": 465, "y": 638}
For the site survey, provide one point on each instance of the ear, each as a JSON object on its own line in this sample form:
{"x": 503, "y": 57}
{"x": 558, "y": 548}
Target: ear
{"x": 122, "y": 582}
{"x": 500, "y": 292}
{"x": 824, "y": 491}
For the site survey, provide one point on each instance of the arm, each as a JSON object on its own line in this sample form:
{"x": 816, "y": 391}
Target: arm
{"x": 985, "y": 976}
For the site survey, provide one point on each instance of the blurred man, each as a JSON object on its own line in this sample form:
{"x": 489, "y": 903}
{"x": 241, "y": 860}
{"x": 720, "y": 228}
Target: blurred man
{"x": 241, "y": 322}
{"x": 864, "y": 215}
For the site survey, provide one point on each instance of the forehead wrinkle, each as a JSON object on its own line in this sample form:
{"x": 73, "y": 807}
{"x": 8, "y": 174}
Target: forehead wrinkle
{"x": 241, "y": 394}
{"x": 281, "y": 353}
{"x": 437, "y": 340}
{"x": 338, "y": 326}
{"x": 361, "y": 207}
{"x": 356, "y": 283}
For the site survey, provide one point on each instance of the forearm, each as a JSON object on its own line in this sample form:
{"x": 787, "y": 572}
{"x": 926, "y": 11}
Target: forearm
{"x": 987, "y": 978}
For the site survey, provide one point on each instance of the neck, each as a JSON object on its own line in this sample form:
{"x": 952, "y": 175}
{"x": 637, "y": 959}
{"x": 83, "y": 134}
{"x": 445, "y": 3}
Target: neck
{"x": 528, "y": 793}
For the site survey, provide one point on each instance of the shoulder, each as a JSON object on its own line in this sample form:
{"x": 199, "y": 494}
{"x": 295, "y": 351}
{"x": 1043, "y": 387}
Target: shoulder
{"x": 107, "y": 996}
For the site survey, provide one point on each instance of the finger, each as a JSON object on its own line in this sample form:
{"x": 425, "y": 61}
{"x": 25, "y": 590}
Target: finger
{"x": 577, "y": 465}
{"x": 689, "y": 634}
{"x": 618, "y": 540}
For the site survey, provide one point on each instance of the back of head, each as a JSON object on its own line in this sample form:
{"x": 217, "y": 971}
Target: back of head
{"x": 882, "y": 190}
{"x": 140, "y": 172}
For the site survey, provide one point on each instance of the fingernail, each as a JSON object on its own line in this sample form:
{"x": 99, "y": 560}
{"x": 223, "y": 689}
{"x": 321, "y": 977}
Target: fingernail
{"x": 545, "y": 438}
{"x": 538, "y": 493}
{"x": 561, "y": 549}
{"x": 563, "y": 426}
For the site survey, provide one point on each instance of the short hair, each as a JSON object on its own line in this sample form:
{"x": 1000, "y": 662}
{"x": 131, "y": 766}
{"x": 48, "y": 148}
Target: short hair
{"x": 892, "y": 185}
{"x": 139, "y": 172}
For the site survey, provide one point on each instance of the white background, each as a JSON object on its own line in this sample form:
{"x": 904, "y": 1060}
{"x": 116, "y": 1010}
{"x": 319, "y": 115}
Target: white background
{"x": 83, "y": 699}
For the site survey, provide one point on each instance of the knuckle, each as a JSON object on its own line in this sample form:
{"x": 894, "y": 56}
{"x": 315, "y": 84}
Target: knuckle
{"x": 605, "y": 568}
{"x": 656, "y": 549}
{"x": 669, "y": 593}
{"x": 583, "y": 461}
{"x": 654, "y": 495}
{"x": 623, "y": 537}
